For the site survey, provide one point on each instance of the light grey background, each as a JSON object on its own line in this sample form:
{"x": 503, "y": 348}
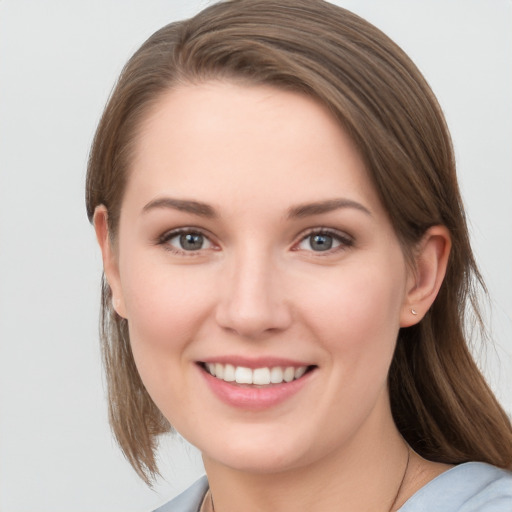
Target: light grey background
{"x": 58, "y": 62}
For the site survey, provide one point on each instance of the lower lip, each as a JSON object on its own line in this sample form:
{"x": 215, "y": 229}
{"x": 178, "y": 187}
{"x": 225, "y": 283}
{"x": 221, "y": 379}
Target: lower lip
{"x": 254, "y": 398}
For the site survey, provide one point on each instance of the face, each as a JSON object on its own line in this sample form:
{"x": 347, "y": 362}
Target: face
{"x": 261, "y": 279}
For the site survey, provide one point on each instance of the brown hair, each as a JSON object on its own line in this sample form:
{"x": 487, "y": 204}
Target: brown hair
{"x": 440, "y": 401}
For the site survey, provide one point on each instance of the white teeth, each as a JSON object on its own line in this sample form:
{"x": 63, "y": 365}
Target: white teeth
{"x": 243, "y": 375}
{"x": 299, "y": 372}
{"x": 229, "y": 373}
{"x": 211, "y": 368}
{"x": 259, "y": 376}
{"x": 219, "y": 370}
{"x": 289, "y": 374}
{"x": 276, "y": 375}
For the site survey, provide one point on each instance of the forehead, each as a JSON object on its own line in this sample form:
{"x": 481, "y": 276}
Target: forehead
{"x": 222, "y": 140}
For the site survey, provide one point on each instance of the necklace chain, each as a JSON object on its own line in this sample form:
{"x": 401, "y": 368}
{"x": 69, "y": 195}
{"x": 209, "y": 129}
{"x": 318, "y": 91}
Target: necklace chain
{"x": 401, "y": 481}
{"x": 212, "y": 506}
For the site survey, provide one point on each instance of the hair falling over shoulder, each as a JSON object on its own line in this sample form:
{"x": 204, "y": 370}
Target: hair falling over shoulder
{"x": 440, "y": 401}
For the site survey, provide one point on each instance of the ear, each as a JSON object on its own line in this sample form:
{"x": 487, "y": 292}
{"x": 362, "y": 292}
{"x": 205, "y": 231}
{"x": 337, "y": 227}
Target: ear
{"x": 430, "y": 263}
{"x": 109, "y": 256}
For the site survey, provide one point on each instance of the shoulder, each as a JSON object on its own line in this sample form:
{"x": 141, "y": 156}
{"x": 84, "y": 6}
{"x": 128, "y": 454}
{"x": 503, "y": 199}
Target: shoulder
{"x": 189, "y": 500}
{"x": 469, "y": 487}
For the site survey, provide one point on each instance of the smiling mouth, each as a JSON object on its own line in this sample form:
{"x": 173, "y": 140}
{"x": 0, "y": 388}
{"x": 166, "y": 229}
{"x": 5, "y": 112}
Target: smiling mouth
{"x": 265, "y": 376}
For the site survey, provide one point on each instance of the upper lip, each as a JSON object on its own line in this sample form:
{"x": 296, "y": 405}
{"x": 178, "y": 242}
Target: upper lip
{"x": 257, "y": 362}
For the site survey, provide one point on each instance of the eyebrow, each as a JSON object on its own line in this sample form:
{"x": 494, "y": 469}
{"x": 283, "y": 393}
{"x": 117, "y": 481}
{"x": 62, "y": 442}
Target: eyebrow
{"x": 183, "y": 205}
{"x": 301, "y": 210}
{"x": 307, "y": 209}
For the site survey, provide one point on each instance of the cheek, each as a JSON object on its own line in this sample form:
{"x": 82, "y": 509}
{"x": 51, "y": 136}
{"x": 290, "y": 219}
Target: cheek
{"x": 165, "y": 307}
{"x": 357, "y": 310}
{"x": 162, "y": 300}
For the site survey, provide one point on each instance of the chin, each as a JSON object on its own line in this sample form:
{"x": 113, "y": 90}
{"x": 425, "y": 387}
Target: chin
{"x": 262, "y": 452}
{"x": 256, "y": 461}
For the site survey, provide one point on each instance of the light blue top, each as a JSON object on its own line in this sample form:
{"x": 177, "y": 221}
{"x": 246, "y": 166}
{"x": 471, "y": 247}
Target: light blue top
{"x": 469, "y": 487}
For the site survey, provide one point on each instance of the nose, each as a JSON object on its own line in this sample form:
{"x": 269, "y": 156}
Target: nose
{"x": 253, "y": 303}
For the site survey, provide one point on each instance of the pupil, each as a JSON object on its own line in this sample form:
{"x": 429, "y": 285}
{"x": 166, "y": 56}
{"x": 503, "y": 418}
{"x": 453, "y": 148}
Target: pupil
{"x": 321, "y": 242}
{"x": 191, "y": 241}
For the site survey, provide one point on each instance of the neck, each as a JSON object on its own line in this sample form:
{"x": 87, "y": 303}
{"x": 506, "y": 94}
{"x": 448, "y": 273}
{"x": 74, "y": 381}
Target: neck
{"x": 360, "y": 477}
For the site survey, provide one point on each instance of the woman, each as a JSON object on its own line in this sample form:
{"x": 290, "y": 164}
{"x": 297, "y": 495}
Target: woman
{"x": 288, "y": 269}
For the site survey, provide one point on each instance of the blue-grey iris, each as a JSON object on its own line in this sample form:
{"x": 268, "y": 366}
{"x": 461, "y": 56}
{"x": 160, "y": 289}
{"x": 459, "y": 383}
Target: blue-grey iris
{"x": 320, "y": 242}
{"x": 191, "y": 241}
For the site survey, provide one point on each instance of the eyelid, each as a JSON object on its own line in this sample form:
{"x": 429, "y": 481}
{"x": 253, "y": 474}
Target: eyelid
{"x": 164, "y": 238}
{"x": 346, "y": 241}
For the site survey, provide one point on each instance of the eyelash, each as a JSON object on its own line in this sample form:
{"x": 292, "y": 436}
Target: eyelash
{"x": 169, "y": 235}
{"x": 345, "y": 241}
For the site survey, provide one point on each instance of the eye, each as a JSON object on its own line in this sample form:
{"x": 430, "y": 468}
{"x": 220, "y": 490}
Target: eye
{"x": 323, "y": 241}
{"x": 186, "y": 241}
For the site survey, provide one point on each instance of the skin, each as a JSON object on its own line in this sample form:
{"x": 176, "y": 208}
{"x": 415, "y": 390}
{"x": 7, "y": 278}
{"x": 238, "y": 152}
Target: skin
{"x": 258, "y": 288}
